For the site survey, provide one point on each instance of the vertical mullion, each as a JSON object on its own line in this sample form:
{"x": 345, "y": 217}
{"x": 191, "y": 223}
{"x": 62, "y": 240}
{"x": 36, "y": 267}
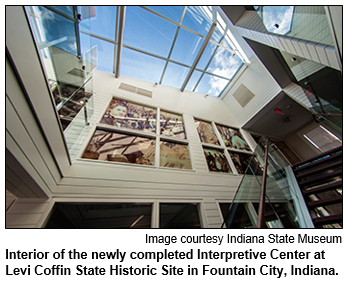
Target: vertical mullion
{"x": 115, "y": 40}
{"x": 172, "y": 47}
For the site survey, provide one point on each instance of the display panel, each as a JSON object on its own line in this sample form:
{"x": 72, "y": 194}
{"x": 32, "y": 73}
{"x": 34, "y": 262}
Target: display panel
{"x": 206, "y": 132}
{"x": 172, "y": 125}
{"x": 129, "y": 115}
{"x": 232, "y": 138}
{"x": 241, "y": 161}
{"x": 118, "y": 147}
{"x": 174, "y": 155}
{"x": 216, "y": 160}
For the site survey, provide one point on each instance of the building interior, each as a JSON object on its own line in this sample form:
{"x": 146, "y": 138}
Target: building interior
{"x": 174, "y": 117}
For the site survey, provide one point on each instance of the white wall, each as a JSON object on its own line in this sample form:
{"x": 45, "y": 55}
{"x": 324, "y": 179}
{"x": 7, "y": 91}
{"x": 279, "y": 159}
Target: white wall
{"x": 98, "y": 179}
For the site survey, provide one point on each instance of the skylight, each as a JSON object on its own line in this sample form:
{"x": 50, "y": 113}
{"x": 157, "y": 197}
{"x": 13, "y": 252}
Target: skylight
{"x": 277, "y": 19}
{"x": 160, "y": 43}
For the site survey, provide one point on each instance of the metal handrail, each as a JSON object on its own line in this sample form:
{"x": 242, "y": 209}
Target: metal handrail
{"x": 261, "y": 212}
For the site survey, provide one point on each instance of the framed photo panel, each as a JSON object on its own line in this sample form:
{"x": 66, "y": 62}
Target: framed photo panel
{"x": 129, "y": 115}
{"x": 172, "y": 125}
{"x": 206, "y": 132}
{"x": 216, "y": 160}
{"x": 174, "y": 155}
{"x": 233, "y": 138}
{"x": 118, "y": 147}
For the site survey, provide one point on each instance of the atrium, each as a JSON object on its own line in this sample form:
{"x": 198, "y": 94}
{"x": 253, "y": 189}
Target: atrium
{"x": 149, "y": 116}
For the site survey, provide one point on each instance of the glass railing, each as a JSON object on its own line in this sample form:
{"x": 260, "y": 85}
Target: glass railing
{"x": 68, "y": 66}
{"x": 284, "y": 206}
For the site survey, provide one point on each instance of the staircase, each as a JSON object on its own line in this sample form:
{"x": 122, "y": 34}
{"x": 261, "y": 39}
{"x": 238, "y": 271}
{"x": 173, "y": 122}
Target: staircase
{"x": 320, "y": 180}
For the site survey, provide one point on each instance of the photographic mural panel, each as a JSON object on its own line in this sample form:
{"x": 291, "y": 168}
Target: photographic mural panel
{"x": 233, "y": 138}
{"x": 129, "y": 115}
{"x": 118, "y": 147}
{"x": 174, "y": 155}
{"x": 216, "y": 160}
{"x": 206, "y": 132}
{"x": 172, "y": 125}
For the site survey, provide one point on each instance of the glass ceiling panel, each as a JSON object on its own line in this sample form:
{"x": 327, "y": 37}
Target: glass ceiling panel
{"x": 67, "y": 10}
{"x": 150, "y": 39}
{"x": 217, "y": 35}
{"x": 186, "y": 47}
{"x": 175, "y": 75}
{"x": 207, "y": 54}
{"x": 105, "y": 54}
{"x": 171, "y": 12}
{"x": 99, "y": 20}
{"x": 141, "y": 66}
{"x": 193, "y": 80}
{"x": 196, "y": 19}
{"x": 224, "y": 63}
{"x": 211, "y": 85}
{"x": 147, "y": 31}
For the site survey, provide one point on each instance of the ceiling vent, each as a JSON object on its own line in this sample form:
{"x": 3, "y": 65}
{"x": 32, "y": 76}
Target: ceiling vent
{"x": 243, "y": 95}
{"x": 135, "y": 89}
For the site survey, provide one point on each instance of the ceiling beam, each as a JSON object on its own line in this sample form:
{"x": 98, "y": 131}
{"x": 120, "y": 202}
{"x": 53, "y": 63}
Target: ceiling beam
{"x": 120, "y": 40}
{"x": 199, "y": 55}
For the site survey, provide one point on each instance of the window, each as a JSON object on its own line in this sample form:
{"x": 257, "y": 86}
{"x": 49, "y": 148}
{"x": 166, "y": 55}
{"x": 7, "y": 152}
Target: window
{"x": 179, "y": 215}
{"x": 322, "y": 139}
{"x": 100, "y": 216}
{"x": 128, "y": 133}
{"x": 224, "y": 148}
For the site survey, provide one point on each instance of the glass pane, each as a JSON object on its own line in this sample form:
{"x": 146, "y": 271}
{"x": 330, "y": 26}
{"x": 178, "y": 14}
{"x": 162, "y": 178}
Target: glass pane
{"x": 123, "y": 148}
{"x": 224, "y": 63}
{"x": 171, "y": 12}
{"x": 147, "y": 31}
{"x": 217, "y": 35}
{"x": 216, "y": 160}
{"x": 105, "y": 53}
{"x": 241, "y": 161}
{"x": 206, "y": 132}
{"x": 227, "y": 42}
{"x": 141, "y": 66}
{"x": 56, "y": 30}
{"x": 212, "y": 85}
{"x": 196, "y": 75}
{"x": 179, "y": 215}
{"x": 207, "y": 54}
{"x": 131, "y": 116}
{"x": 172, "y": 125}
{"x": 67, "y": 10}
{"x": 277, "y": 19}
{"x": 232, "y": 138}
{"x": 174, "y": 155}
{"x": 175, "y": 75}
{"x": 100, "y": 216}
{"x": 186, "y": 47}
{"x": 197, "y": 19}
{"x": 99, "y": 20}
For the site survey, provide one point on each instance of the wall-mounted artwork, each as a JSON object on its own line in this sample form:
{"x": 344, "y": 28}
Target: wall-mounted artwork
{"x": 129, "y": 115}
{"x": 206, "y": 132}
{"x": 118, "y": 147}
{"x": 172, "y": 125}
{"x": 174, "y": 155}
{"x": 240, "y": 161}
{"x": 216, "y": 160}
{"x": 232, "y": 138}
